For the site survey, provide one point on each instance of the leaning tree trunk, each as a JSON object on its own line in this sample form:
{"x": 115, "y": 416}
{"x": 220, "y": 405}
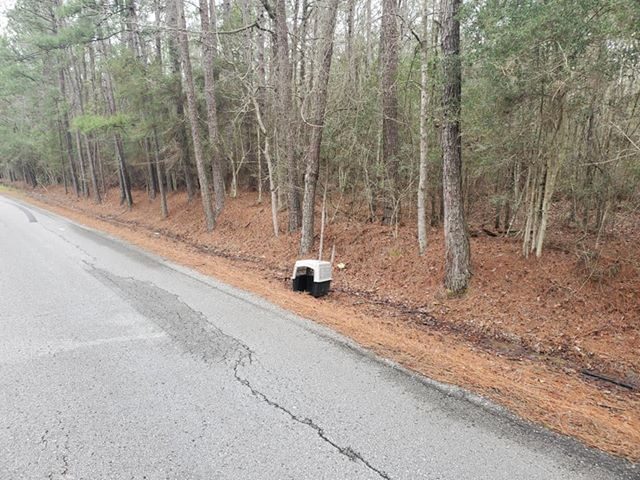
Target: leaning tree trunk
{"x": 389, "y": 45}
{"x": 457, "y": 254}
{"x": 209, "y": 94}
{"x": 192, "y": 108}
{"x": 324, "y": 52}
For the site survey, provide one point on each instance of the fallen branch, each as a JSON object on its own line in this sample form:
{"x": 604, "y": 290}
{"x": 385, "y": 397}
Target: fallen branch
{"x": 606, "y": 378}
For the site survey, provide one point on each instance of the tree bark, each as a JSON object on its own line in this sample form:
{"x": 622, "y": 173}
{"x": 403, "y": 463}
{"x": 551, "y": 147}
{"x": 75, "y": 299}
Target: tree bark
{"x": 123, "y": 172}
{"x": 389, "y": 45}
{"x": 424, "y": 135}
{"x": 83, "y": 175}
{"x": 324, "y": 52}
{"x": 192, "y": 108}
{"x": 92, "y": 172}
{"x": 208, "y": 53}
{"x": 62, "y": 156}
{"x": 457, "y": 252}
{"x": 164, "y": 209}
{"x": 67, "y": 132}
{"x": 286, "y": 133}
{"x": 182, "y": 135}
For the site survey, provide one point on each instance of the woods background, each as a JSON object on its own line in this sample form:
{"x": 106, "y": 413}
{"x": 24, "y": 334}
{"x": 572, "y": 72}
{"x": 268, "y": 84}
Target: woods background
{"x": 350, "y": 107}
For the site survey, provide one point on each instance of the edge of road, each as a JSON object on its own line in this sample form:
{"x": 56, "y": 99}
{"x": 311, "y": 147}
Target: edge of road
{"x": 578, "y": 452}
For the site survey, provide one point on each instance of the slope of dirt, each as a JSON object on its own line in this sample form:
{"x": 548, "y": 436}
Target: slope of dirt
{"x": 521, "y": 336}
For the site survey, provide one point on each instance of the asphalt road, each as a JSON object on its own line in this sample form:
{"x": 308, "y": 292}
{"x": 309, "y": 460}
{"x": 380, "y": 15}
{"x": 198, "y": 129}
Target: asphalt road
{"x": 116, "y": 364}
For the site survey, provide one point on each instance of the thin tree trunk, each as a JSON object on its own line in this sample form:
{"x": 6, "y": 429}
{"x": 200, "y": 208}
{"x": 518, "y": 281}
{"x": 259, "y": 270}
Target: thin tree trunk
{"x": 83, "y": 176}
{"x": 210, "y": 98}
{"x": 323, "y": 221}
{"x": 259, "y": 158}
{"x": 151, "y": 188}
{"x": 96, "y": 165}
{"x": 92, "y": 172}
{"x": 164, "y": 209}
{"x": 272, "y": 188}
{"x": 62, "y": 163}
{"x": 324, "y": 52}
{"x": 125, "y": 183}
{"x": 270, "y": 169}
{"x": 78, "y": 96}
{"x": 192, "y": 108}
{"x": 67, "y": 132}
{"x": 182, "y": 136}
{"x": 351, "y": 61}
{"x": 286, "y": 134}
{"x": 457, "y": 252}
{"x": 56, "y": 22}
{"x": 389, "y": 46}
{"x": 424, "y": 136}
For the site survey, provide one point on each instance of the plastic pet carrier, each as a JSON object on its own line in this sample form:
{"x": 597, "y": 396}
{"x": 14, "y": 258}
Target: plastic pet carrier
{"x": 313, "y": 276}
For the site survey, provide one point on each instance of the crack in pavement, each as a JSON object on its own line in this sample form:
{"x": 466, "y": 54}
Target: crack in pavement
{"x": 64, "y": 455}
{"x": 348, "y": 452}
{"x": 43, "y": 439}
{"x": 200, "y": 338}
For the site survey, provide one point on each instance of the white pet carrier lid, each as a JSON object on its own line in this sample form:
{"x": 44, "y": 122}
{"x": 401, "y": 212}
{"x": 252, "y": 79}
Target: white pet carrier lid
{"x": 321, "y": 269}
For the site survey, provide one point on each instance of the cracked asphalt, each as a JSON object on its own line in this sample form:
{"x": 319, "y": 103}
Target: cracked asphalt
{"x": 116, "y": 364}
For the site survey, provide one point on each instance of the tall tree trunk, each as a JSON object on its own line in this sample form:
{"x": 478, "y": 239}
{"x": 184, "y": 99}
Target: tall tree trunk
{"x": 56, "y": 24}
{"x": 424, "y": 134}
{"x": 182, "y": 136}
{"x": 389, "y": 45}
{"x": 125, "y": 181}
{"x": 123, "y": 171}
{"x": 192, "y": 108}
{"x": 208, "y": 53}
{"x": 351, "y": 61}
{"x": 259, "y": 101}
{"x": 62, "y": 162}
{"x": 83, "y": 175}
{"x": 151, "y": 177}
{"x": 457, "y": 252}
{"x": 89, "y": 140}
{"x": 92, "y": 171}
{"x": 286, "y": 130}
{"x": 164, "y": 209}
{"x": 82, "y": 142}
{"x": 324, "y": 52}
{"x": 67, "y": 132}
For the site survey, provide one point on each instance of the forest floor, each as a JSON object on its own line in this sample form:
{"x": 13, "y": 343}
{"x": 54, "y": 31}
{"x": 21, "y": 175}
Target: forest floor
{"x": 529, "y": 334}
